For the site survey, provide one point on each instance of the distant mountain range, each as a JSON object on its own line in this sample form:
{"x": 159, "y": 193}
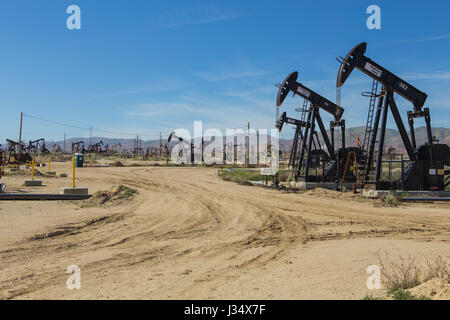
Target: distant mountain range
{"x": 125, "y": 144}
{"x": 393, "y": 139}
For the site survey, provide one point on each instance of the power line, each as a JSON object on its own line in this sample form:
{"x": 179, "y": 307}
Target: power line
{"x": 91, "y": 128}
{"x": 55, "y": 122}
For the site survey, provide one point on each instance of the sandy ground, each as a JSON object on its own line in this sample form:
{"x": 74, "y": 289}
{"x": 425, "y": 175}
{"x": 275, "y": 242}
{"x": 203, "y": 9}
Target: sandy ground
{"x": 190, "y": 235}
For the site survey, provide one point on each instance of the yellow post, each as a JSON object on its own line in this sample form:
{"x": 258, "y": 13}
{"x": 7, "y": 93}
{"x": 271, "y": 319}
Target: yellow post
{"x": 32, "y": 169}
{"x": 73, "y": 172}
{"x": 48, "y": 164}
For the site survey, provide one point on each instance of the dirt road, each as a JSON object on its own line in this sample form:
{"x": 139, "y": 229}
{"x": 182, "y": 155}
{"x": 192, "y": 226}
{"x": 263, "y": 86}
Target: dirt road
{"x": 190, "y": 235}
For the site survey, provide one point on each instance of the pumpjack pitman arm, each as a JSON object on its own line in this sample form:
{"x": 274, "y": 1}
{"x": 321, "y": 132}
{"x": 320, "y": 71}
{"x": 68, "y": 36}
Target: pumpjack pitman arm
{"x": 291, "y": 84}
{"x": 356, "y": 59}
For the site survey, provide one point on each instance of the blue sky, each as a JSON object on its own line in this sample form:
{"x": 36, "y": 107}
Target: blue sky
{"x": 141, "y": 67}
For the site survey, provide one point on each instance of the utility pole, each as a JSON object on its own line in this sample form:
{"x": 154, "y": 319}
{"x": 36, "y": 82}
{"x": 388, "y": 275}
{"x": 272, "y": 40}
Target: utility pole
{"x": 64, "y": 150}
{"x": 257, "y": 147}
{"x": 248, "y": 142}
{"x": 20, "y": 139}
{"x": 160, "y": 146}
{"x": 90, "y": 136}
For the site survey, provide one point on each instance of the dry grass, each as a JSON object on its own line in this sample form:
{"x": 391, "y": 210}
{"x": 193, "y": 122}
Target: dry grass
{"x": 116, "y": 195}
{"x": 438, "y": 268}
{"x": 390, "y": 200}
{"x": 405, "y": 272}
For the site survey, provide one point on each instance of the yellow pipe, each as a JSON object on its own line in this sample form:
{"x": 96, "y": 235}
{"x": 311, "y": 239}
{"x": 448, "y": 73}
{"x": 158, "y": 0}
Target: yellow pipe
{"x": 32, "y": 169}
{"x": 48, "y": 164}
{"x": 73, "y": 172}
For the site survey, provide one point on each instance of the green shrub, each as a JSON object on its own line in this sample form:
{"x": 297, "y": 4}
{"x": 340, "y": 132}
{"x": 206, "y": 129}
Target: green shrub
{"x": 391, "y": 200}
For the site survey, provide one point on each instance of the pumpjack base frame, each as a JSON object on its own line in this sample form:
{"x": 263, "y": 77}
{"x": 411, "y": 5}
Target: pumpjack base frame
{"x": 307, "y": 185}
{"x": 375, "y": 194}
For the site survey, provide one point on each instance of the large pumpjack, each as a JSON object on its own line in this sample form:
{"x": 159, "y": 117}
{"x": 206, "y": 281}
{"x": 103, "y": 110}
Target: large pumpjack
{"x": 333, "y": 162}
{"x": 425, "y": 170}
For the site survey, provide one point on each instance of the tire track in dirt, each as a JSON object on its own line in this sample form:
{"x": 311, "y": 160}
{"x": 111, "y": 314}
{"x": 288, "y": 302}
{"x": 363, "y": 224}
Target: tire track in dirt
{"x": 188, "y": 219}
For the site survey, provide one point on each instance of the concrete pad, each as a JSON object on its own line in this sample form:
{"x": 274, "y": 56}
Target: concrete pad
{"x": 33, "y": 183}
{"x": 375, "y": 194}
{"x": 74, "y": 191}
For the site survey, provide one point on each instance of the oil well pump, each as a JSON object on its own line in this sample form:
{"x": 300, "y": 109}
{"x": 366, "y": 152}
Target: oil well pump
{"x": 96, "y": 147}
{"x": 173, "y": 136}
{"x": 38, "y": 146}
{"x": 17, "y": 152}
{"x": 302, "y": 159}
{"x": 425, "y": 170}
{"x": 2, "y": 164}
{"x": 78, "y": 147}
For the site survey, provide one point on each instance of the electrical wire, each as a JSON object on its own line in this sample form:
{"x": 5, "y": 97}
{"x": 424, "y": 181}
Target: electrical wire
{"x": 93, "y": 128}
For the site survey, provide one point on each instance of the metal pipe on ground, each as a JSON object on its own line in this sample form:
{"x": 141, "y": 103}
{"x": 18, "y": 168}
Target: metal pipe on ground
{"x": 425, "y": 199}
{"x": 40, "y": 197}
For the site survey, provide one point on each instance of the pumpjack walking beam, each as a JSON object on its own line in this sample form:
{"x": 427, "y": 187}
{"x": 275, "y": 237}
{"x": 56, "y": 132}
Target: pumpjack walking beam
{"x": 391, "y": 84}
{"x": 317, "y": 102}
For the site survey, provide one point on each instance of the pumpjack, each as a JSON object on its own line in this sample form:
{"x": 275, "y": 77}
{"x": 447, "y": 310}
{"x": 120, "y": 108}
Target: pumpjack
{"x": 78, "y": 147}
{"x": 332, "y": 161}
{"x": 96, "y": 147}
{"x": 173, "y": 136}
{"x": 38, "y": 146}
{"x": 17, "y": 153}
{"x": 425, "y": 170}
{"x": 2, "y": 164}
{"x": 115, "y": 147}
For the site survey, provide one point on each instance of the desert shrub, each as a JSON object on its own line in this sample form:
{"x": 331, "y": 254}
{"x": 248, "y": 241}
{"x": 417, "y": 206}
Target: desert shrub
{"x": 391, "y": 200}
{"x": 116, "y": 195}
{"x": 401, "y": 294}
{"x": 405, "y": 273}
{"x": 118, "y": 164}
{"x": 401, "y": 274}
{"x": 438, "y": 268}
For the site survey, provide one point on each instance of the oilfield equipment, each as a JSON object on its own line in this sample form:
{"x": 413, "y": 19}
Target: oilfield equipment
{"x": 426, "y": 164}
{"x": 56, "y": 148}
{"x": 115, "y": 148}
{"x": 38, "y": 146}
{"x": 96, "y": 148}
{"x": 17, "y": 153}
{"x": 307, "y": 152}
{"x": 78, "y": 147}
{"x": 2, "y": 165}
{"x": 173, "y": 136}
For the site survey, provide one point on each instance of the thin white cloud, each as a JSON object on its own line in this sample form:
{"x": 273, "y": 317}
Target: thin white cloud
{"x": 439, "y": 75}
{"x": 228, "y": 75}
{"x": 419, "y": 40}
{"x": 198, "y": 16}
